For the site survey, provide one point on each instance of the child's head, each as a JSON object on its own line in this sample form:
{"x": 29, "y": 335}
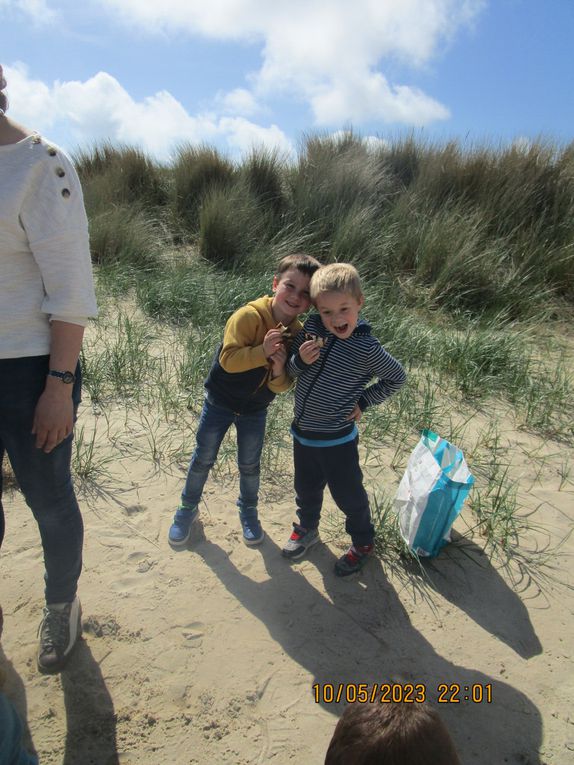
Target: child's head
{"x": 307, "y": 264}
{"x": 291, "y": 286}
{"x": 391, "y": 734}
{"x": 336, "y": 293}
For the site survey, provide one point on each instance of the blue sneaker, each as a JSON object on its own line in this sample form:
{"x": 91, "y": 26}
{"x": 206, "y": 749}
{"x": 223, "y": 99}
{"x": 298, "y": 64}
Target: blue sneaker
{"x": 180, "y": 530}
{"x": 253, "y": 534}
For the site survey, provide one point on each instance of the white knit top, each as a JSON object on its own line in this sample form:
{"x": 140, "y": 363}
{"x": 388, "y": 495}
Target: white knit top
{"x": 45, "y": 265}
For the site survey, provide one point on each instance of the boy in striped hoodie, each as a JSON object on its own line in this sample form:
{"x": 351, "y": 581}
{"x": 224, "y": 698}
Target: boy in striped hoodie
{"x": 333, "y": 361}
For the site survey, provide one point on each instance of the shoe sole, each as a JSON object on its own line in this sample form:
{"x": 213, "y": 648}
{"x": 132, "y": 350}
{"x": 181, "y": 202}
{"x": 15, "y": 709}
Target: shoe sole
{"x": 254, "y": 542}
{"x": 179, "y": 545}
{"x": 184, "y": 542}
{"x": 298, "y": 554}
{"x": 345, "y": 572}
{"x": 341, "y": 573}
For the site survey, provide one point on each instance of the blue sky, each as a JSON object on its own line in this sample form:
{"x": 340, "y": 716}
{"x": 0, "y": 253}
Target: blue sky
{"x": 239, "y": 73}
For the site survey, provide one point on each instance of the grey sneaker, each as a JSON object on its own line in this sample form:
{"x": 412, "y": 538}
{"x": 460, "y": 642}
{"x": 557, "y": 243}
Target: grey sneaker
{"x": 59, "y": 630}
{"x": 300, "y": 541}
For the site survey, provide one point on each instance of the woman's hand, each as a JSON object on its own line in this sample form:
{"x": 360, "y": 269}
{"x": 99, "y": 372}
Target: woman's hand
{"x": 54, "y": 415}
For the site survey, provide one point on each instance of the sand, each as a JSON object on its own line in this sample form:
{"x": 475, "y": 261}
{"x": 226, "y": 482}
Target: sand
{"x": 213, "y": 654}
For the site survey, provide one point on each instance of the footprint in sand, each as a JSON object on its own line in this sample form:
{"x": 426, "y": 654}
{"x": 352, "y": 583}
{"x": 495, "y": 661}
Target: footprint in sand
{"x": 193, "y": 633}
{"x": 142, "y": 562}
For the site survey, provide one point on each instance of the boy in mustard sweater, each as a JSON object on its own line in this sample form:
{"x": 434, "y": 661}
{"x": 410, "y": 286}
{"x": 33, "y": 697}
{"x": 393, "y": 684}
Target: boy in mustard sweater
{"x": 246, "y": 374}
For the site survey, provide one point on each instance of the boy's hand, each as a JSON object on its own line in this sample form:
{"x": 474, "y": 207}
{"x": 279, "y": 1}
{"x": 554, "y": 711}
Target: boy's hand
{"x": 278, "y": 360}
{"x": 356, "y": 414}
{"x": 309, "y": 351}
{"x": 272, "y": 342}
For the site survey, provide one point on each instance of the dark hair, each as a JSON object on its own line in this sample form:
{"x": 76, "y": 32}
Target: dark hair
{"x": 391, "y": 734}
{"x": 307, "y": 264}
{"x": 3, "y": 99}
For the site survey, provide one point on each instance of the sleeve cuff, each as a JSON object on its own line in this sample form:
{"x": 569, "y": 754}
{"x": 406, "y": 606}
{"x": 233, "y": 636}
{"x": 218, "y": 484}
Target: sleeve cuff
{"x": 82, "y": 321}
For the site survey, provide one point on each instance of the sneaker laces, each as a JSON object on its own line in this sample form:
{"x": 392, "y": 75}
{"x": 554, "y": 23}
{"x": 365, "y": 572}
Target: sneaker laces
{"x": 54, "y": 628}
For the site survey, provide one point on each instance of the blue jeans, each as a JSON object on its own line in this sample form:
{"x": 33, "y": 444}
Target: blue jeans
{"x": 45, "y": 479}
{"x": 11, "y": 750}
{"x": 214, "y": 423}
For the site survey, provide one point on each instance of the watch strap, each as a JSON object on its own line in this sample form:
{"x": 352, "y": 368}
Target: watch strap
{"x": 66, "y": 377}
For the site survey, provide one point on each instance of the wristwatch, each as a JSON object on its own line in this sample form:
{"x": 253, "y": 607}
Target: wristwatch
{"x": 65, "y": 377}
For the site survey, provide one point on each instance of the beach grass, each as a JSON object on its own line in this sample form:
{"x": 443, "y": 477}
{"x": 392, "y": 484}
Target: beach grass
{"x": 467, "y": 261}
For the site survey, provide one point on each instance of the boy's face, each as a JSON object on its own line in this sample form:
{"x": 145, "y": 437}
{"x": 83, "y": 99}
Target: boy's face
{"x": 339, "y": 312}
{"x": 291, "y": 297}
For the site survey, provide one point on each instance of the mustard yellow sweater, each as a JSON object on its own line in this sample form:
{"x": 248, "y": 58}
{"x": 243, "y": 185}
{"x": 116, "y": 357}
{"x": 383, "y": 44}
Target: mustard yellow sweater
{"x": 239, "y": 378}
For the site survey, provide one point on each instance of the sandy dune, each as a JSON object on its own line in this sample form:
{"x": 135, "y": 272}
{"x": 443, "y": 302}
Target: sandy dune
{"x": 210, "y": 655}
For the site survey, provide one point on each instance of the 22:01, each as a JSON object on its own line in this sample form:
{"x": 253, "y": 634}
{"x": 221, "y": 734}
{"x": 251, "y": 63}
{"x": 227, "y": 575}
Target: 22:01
{"x": 454, "y": 693}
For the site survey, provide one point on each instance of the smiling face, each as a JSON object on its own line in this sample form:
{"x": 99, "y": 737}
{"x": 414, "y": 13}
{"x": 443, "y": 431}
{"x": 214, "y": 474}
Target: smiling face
{"x": 339, "y": 312}
{"x": 291, "y": 296}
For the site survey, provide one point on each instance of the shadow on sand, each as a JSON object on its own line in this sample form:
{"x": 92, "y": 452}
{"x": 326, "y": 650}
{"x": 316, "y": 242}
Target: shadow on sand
{"x": 90, "y": 715}
{"x": 464, "y": 576}
{"x": 14, "y": 689}
{"x": 361, "y": 633}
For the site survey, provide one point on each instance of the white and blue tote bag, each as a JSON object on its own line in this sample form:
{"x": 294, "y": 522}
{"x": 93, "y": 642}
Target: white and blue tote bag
{"x": 431, "y": 493}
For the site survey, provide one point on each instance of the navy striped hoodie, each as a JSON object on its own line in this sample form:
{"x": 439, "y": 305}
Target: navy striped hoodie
{"x": 327, "y": 390}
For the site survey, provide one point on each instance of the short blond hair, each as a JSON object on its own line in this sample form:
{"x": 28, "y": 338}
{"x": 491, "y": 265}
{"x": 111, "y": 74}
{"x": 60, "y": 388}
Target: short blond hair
{"x": 336, "y": 277}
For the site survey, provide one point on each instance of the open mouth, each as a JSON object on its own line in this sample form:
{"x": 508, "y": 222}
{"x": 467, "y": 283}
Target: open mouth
{"x": 341, "y": 329}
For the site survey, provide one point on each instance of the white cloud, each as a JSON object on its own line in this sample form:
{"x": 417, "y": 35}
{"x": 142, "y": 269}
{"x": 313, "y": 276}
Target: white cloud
{"x": 100, "y": 108}
{"x": 328, "y": 52}
{"x": 243, "y": 135}
{"x": 31, "y": 101}
{"x": 371, "y": 98}
{"x": 38, "y": 11}
{"x": 239, "y": 101}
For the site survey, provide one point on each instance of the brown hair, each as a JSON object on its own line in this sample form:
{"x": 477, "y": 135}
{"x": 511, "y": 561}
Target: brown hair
{"x": 336, "y": 277}
{"x": 3, "y": 99}
{"x": 391, "y": 734}
{"x": 307, "y": 264}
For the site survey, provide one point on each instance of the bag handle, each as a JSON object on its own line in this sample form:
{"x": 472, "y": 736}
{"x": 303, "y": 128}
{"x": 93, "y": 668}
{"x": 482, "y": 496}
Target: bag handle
{"x": 435, "y": 439}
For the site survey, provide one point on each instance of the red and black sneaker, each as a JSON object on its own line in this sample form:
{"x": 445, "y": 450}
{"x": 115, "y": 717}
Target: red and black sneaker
{"x": 353, "y": 560}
